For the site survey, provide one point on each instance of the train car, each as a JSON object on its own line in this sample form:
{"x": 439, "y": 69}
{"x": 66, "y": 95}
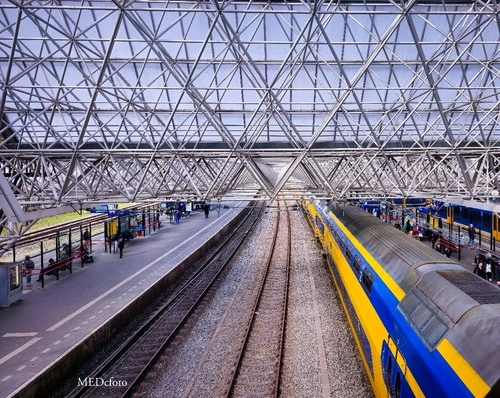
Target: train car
{"x": 369, "y": 205}
{"x": 103, "y": 209}
{"x": 424, "y": 325}
{"x": 392, "y": 208}
{"x": 482, "y": 216}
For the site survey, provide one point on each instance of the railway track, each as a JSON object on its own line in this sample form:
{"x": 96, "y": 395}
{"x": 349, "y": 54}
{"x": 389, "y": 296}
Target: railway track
{"x": 252, "y": 365}
{"x": 259, "y": 365}
{"x": 125, "y": 369}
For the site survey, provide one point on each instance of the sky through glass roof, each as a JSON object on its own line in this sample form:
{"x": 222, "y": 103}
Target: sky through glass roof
{"x": 134, "y": 100}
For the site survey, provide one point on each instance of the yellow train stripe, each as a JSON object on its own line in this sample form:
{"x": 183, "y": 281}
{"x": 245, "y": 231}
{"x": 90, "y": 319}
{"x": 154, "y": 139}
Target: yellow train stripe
{"x": 463, "y": 369}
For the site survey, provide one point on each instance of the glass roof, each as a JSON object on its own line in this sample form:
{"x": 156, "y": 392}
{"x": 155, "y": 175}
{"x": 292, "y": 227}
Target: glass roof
{"x": 134, "y": 100}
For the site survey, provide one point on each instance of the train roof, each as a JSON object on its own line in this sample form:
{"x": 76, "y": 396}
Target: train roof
{"x": 399, "y": 254}
{"x": 442, "y": 299}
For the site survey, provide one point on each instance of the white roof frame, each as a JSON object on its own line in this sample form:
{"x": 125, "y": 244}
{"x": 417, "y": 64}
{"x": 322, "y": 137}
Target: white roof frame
{"x": 137, "y": 100}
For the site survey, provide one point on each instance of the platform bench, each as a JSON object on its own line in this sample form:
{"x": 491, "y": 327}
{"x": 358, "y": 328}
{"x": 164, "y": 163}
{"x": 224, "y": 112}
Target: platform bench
{"x": 59, "y": 265}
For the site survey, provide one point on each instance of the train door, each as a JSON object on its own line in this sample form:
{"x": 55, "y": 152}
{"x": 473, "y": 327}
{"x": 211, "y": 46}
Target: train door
{"x": 394, "y": 375}
{"x": 449, "y": 215}
{"x": 495, "y": 228}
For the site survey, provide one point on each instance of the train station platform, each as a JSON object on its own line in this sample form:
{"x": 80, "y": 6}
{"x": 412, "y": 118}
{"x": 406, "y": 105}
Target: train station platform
{"x": 63, "y": 322}
{"x": 465, "y": 254}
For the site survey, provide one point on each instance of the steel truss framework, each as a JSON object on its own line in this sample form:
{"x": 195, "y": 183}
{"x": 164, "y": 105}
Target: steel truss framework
{"x": 132, "y": 100}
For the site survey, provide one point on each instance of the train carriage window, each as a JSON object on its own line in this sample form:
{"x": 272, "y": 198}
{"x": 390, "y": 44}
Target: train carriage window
{"x": 320, "y": 225}
{"x": 348, "y": 253}
{"x": 477, "y": 216}
{"x": 442, "y": 212}
{"x": 357, "y": 266}
{"x": 486, "y": 221}
{"x": 367, "y": 280}
{"x": 397, "y": 386}
{"x": 464, "y": 213}
{"x": 388, "y": 372}
{"x": 342, "y": 244}
{"x": 330, "y": 224}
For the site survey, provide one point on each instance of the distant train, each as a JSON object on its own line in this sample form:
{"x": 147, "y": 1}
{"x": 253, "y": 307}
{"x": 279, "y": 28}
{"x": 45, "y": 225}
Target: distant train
{"x": 370, "y": 205}
{"x": 439, "y": 213}
{"x": 456, "y": 214}
{"x": 392, "y": 208}
{"x": 423, "y": 324}
{"x": 103, "y": 208}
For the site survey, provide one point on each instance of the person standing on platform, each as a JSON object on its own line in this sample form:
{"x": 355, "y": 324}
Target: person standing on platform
{"x": 28, "y": 266}
{"x": 86, "y": 240}
{"x": 121, "y": 245}
{"x": 407, "y": 227}
{"x": 434, "y": 239}
{"x": 479, "y": 270}
{"x": 206, "y": 208}
{"x": 472, "y": 235}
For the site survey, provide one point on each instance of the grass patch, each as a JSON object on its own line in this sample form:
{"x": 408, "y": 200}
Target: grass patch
{"x": 47, "y": 222}
{"x": 58, "y": 219}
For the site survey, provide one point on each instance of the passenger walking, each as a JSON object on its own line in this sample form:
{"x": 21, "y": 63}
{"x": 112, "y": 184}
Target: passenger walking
{"x": 472, "y": 234}
{"x": 121, "y": 245}
{"x": 28, "y": 266}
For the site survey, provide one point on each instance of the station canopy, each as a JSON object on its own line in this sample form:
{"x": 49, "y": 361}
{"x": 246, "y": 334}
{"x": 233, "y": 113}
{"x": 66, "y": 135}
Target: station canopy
{"x": 212, "y": 100}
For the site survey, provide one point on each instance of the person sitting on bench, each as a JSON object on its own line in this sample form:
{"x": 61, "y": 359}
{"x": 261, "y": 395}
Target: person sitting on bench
{"x": 51, "y": 261}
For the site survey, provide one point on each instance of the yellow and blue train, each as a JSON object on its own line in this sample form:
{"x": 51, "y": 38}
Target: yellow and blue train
{"x": 424, "y": 325}
{"x": 485, "y": 220}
